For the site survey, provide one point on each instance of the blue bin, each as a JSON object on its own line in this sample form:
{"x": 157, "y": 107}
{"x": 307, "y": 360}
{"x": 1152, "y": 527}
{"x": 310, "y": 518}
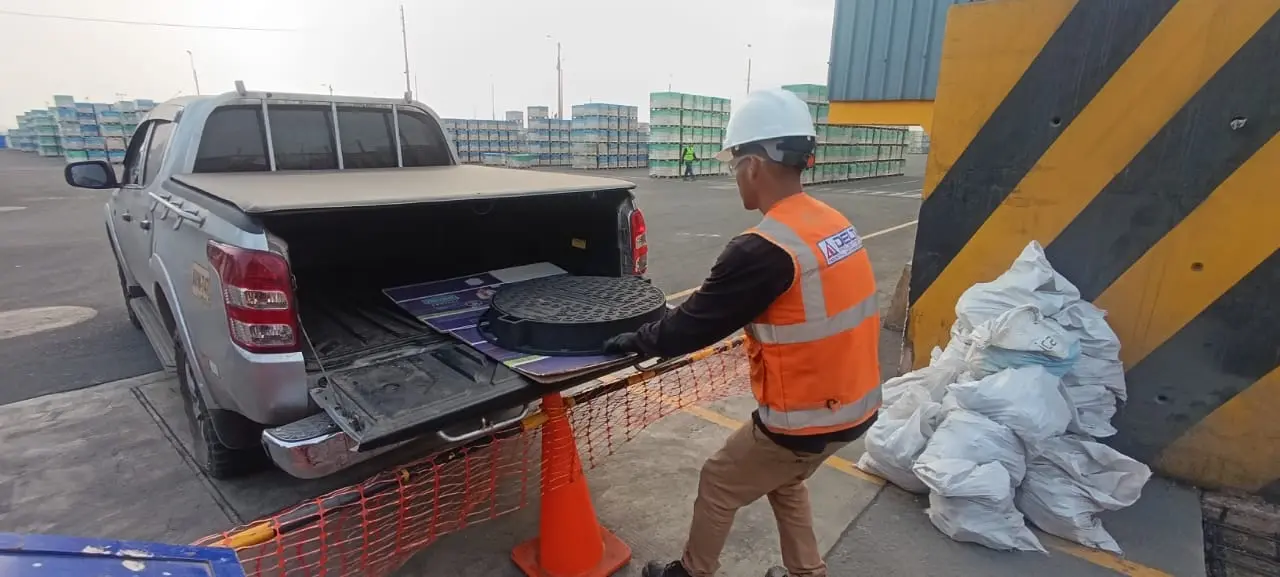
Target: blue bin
{"x": 54, "y": 556}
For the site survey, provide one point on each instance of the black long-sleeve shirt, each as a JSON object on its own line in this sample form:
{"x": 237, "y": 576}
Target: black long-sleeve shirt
{"x": 747, "y": 277}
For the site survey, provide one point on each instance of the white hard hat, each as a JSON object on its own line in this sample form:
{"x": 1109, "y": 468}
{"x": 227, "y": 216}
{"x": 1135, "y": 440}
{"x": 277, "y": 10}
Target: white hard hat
{"x": 766, "y": 115}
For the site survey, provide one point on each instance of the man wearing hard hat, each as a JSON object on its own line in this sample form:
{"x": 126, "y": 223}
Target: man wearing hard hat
{"x": 801, "y": 286}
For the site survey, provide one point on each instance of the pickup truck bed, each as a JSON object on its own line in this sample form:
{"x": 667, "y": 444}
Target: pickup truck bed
{"x": 381, "y": 374}
{"x": 343, "y": 323}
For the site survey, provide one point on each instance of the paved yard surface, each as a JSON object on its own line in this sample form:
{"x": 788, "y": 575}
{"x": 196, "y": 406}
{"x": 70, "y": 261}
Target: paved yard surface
{"x": 54, "y": 253}
{"x": 112, "y": 460}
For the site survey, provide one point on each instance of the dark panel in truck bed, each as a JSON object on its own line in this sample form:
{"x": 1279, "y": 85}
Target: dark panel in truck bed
{"x": 418, "y": 389}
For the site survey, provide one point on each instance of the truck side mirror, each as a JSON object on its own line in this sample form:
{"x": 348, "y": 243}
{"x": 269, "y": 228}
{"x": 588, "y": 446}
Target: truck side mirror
{"x": 95, "y": 174}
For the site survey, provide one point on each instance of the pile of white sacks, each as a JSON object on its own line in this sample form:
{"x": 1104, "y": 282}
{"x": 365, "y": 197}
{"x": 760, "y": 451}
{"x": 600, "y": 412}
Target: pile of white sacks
{"x": 1002, "y": 422}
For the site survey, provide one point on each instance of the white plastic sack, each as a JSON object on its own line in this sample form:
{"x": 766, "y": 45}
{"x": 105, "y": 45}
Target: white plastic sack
{"x": 1090, "y": 370}
{"x": 968, "y": 437}
{"x": 1094, "y": 406}
{"x": 1028, "y": 400}
{"x": 1030, "y": 281}
{"x": 898, "y": 436}
{"x": 993, "y": 523}
{"x": 943, "y": 370}
{"x": 1089, "y": 324}
{"x": 1099, "y": 363}
{"x": 1072, "y": 481}
{"x": 1018, "y": 337}
{"x": 1112, "y": 479}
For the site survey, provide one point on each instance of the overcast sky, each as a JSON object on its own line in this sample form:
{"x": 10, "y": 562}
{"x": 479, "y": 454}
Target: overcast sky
{"x": 613, "y": 51}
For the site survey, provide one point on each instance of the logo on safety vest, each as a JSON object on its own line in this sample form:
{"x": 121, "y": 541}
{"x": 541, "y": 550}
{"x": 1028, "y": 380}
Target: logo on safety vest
{"x": 840, "y": 245}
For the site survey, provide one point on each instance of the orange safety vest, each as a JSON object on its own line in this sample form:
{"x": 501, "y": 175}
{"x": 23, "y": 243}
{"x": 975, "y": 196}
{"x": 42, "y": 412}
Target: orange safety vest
{"x": 814, "y": 352}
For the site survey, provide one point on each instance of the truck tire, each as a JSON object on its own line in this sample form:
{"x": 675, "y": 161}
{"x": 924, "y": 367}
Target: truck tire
{"x": 124, "y": 293}
{"x": 214, "y": 458}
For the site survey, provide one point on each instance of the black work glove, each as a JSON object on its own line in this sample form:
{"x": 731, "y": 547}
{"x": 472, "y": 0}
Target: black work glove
{"x": 623, "y": 343}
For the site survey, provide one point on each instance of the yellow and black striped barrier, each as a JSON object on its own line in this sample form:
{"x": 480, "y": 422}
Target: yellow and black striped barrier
{"x": 1136, "y": 140}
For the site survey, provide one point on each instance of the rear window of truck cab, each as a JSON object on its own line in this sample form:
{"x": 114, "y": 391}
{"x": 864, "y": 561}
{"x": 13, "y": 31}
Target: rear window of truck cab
{"x": 237, "y": 138}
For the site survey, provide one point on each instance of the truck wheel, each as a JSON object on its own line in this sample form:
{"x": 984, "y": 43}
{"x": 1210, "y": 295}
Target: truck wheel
{"x": 214, "y": 458}
{"x": 124, "y": 292}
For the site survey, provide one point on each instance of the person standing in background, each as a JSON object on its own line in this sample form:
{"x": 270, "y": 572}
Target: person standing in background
{"x": 687, "y": 157}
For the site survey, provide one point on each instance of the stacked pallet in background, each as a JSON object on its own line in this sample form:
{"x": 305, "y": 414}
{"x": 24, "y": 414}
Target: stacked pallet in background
{"x": 80, "y": 130}
{"x": 21, "y": 138}
{"x": 548, "y": 138}
{"x": 606, "y": 136}
{"x": 483, "y": 141}
{"x": 24, "y": 137}
{"x": 677, "y": 120}
{"x": 43, "y": 127}
{"x": 849, "y": 152}
{"x": 917, "y": 140}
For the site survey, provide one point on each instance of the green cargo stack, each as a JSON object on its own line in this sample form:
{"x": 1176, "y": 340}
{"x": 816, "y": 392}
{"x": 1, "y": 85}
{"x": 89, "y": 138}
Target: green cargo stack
{"x": 484, "y": 141}
{"x": 80, "y": 130}
{"x": 677, "y": 120}
{"x": 849, "y": 152}
{"x": 607, "y": 136}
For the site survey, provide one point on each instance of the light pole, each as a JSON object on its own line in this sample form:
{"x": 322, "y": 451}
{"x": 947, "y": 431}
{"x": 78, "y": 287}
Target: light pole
{"x": 192, "y": 59}
{"x": 330, "y": 87}
{"x": 559, "y": 81}
{"x": 748, "y": 69}
{"x": 404, "y": 39}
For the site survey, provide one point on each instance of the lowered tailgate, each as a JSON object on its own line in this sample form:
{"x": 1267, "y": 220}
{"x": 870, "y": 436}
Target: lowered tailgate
{"x": 383, "y": 376}
{"x": 421, "y": 388}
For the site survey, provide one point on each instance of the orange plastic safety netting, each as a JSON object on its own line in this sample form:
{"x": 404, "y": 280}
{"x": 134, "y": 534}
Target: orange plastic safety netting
{"x": 371, "y": 528}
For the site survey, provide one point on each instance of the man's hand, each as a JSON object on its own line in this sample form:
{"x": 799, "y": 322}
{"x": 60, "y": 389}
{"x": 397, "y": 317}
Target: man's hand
{"x": 623, "y": 343}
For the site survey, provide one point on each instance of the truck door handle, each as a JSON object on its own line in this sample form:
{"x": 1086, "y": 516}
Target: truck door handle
{"x": 126, "y": 217}
{"x": 144, "y": 224}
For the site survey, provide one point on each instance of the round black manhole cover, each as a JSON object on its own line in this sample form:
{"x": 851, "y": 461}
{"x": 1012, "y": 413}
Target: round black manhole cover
{"x": 569, "y": 315}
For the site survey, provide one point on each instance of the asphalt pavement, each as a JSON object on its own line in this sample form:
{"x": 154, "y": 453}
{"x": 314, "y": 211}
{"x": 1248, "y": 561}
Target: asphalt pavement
{"x": 82, "y": 461}
{"x": 54, "y": 253}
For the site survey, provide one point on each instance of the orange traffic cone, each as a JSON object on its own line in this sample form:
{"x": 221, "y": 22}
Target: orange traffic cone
{"x": 570, "y": 541}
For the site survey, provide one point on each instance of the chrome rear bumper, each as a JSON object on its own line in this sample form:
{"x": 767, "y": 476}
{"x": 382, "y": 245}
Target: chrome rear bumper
{"x": 314, "y": 447}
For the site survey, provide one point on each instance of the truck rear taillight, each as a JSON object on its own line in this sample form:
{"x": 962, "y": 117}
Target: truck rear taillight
{"x": 639, "y": 244}
{"x": 257, "y": 291}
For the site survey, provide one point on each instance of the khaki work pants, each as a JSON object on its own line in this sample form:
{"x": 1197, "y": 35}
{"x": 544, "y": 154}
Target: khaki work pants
{"x": 748, "y": 467}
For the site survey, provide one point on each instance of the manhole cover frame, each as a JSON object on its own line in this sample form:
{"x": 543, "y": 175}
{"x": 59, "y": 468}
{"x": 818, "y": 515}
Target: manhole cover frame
{"x": 634, "y": 300}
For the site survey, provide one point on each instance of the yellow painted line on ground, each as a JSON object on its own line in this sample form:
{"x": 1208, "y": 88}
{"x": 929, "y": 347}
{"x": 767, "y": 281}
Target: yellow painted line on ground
{"x": 687, "y": 292}
{"x": 681, "y": 294}
{"x": 1102, "y": 559}
{"x": 843, "y": 465}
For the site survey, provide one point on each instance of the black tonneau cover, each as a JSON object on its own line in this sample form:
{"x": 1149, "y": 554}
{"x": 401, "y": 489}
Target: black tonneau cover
{"x": 268, "y": 192}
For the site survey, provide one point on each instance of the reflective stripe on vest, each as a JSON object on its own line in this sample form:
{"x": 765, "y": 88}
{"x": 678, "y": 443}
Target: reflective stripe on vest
{"x": 783, "y": 421}
{"x": 817, "y": 325}
{"x": 813, "y": 371}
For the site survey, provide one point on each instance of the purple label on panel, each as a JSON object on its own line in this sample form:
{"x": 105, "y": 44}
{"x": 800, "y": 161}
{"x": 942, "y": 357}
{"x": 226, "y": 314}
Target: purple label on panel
{"x": 454, "y": 306}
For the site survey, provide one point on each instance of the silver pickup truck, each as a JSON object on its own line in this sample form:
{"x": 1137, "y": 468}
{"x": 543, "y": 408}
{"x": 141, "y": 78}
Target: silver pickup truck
{"x": 254, "y": 233}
